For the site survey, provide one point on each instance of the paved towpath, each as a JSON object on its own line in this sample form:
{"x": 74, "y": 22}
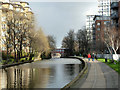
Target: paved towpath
{"x": 99, "y": 76}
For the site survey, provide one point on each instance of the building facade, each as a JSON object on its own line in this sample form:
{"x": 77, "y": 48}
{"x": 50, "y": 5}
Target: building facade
{"x": 99, "y": 28}
{"x": 104, "y": 7}
{"x": 89, "y": 22}
{"x": 16, "y": 20}
{"x": 115, "y": 13}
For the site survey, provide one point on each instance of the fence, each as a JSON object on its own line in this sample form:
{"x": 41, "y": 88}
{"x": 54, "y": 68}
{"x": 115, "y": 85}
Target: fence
{"x": 108, "y": 56}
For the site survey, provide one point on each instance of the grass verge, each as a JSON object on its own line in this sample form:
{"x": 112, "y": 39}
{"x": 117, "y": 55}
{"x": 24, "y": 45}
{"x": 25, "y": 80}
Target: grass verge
{"x": 116, "y": 66}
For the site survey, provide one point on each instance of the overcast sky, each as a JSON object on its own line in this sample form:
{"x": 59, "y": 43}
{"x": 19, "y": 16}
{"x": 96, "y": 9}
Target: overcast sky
{"x": 57, "y": 18}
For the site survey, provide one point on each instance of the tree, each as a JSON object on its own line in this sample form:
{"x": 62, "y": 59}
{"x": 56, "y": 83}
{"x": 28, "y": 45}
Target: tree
{"x": 39, "y": 42}
{"x": 8, "y": 32}
{"x": 82, "y": 40}
{"x": 69, "y": 41}
{"x": 52, "y": 42}
{"x": 18, "y": 25}
{"x": 112, "y": 39}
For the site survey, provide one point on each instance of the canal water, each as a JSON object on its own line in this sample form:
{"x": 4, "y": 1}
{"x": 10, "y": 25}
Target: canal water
{"x": 53, "y": 73}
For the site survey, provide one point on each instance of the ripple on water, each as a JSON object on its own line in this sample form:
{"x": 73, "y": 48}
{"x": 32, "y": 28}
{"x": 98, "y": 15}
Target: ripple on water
{"x": 54, "y": 73}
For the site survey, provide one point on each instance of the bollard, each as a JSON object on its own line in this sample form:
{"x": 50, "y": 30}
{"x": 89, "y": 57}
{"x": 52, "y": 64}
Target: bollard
{"x": 105, "y": 59}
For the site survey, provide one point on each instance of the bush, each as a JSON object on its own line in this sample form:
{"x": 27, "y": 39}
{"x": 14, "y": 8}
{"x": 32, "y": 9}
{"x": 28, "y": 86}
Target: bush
{"x": 4, "y": 56}
{"x": 31, "y": 56}
{"x": 44, "y": 56}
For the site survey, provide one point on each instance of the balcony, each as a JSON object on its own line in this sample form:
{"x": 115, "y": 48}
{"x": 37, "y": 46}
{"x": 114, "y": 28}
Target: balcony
{"x": 114, "y": 15}
{"x": 114, "y": 5}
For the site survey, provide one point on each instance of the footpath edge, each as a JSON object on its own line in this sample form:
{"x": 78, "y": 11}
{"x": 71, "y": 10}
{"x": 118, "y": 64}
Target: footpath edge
{"x": 83, "y": 71}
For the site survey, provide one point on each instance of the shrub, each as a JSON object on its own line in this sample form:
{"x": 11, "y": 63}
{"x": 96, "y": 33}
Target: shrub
{"x": 44, "y": 56}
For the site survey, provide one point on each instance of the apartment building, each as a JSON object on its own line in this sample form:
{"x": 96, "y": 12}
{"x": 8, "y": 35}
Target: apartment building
{"x": 99, "y": 27}
{"x": 10, "y": 11}
{"x": 89, "y": 22}
{"x": 115, "y": 13}
{"x": 104, "y": 7}
{"x": 94, "y": 37}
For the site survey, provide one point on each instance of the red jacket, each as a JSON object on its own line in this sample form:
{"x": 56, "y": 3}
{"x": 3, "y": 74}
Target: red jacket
{"x": 89, "y": 56}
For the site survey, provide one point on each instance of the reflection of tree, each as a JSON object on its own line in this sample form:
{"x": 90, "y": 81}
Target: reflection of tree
{"x": 39, "y": 78}
{"x": 69, "y": 69}
{"x": 24, "y": 78}
{"x": 3, "y": 79}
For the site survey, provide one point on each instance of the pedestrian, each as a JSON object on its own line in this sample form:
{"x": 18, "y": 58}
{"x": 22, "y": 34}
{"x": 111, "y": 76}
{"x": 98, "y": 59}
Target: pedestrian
{"x": 96, "y": 56}
{"x": 89, "y": 56}
{"x": 93, "y": 57}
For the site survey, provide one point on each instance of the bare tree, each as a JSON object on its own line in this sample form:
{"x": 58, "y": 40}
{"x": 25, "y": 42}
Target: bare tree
{"x": 39, "y": 42}
{"x": 52, "y": 42}
{"x": 69, "y": 41}
{"x": 82, "y": 41}
{"x": 8, "y": 33}
{"x": 112, "y": 39}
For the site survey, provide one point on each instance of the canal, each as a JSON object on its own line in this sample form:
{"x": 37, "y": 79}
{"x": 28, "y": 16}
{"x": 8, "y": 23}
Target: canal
{"x": 53, "y": 73}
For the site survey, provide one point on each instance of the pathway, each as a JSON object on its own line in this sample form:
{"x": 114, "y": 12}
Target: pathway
{"x": 99, "y": 76}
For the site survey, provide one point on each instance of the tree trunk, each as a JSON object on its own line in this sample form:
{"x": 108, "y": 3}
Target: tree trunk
{"x": 7, "y": 53}
{"x": 38, "y": 57}
{"x": 21, "y": 47}
{"x": 14, "y": 49}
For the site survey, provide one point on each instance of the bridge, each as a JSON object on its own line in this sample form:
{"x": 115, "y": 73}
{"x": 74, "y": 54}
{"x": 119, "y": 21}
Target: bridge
{"x": 62, "y": 52}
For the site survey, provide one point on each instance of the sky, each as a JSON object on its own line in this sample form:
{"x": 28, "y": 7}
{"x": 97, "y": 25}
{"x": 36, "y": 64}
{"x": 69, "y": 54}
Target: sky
{"x": 57, "y": 18}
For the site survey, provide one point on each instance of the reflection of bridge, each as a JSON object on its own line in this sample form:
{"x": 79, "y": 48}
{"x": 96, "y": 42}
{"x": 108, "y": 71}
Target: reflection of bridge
{"x": 60, "y": 52}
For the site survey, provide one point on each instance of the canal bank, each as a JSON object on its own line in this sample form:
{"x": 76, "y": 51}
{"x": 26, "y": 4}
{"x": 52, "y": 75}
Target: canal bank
{"x": 2, "y": 66}
{"x": 14, "y": 64}
{"x": 80, "y": 76}
{"x": 35, "y": 60}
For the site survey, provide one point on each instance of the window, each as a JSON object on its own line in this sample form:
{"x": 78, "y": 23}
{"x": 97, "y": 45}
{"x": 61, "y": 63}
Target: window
{"x": 105, "y": 23}
{"x": 3, "y": 18}
{"x": 98, "y": 23}
{"x": 3, "y": 26}
{"x": 98, "y": 29}
{"x": 11, "y": 7}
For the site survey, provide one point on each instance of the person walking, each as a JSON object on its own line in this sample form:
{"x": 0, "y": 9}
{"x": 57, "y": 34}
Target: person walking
{"x": 96, "y": 56}
{"x": 93, "y": 57}
{"x": 89, "y": 56}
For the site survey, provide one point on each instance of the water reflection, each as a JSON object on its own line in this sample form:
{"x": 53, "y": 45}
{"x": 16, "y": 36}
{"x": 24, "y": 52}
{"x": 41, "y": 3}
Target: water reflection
{"x": 46, "y": 76}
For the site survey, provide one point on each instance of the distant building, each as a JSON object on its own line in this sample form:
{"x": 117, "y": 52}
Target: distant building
{"x": 104, "y": 7}
{"x": 115, "y": 14}
{"x": 99, "y": 26}
{"x": 94, "y": 37}
{"x": 89, "y": 22}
